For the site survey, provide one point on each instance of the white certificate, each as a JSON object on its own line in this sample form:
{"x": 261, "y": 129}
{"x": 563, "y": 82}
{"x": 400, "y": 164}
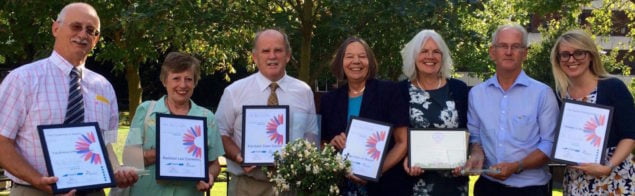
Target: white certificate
{"x": 265, "y": 131}
{"x": 76, "y": 154}
{"x": 437, "y": 148}
{"x": 582, "y": 133}
{"x": 181, "y": 147}
{"x": 366, "y": 146}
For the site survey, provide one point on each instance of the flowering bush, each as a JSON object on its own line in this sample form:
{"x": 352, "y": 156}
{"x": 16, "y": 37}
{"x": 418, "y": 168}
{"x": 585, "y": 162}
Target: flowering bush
{"x": 302, "y": 168}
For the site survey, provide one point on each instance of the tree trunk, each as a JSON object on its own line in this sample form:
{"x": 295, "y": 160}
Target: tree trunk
{"x": 134, "y": 88}
{"x": 307, "y": 36}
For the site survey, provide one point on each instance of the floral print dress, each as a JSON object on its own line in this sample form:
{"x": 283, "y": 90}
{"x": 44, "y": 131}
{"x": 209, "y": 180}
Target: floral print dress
{"x": 435, "y": 109}
{"x": 621, "y": 181}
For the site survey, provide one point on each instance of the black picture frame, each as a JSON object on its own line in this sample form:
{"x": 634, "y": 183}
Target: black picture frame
{"x": 558, "y": 130}
{"x": 247, "y": 109}
{"x": 159, "y": 148}
{"x": 412, "y": 131}
{"x": 53, "y": 169}
{"x": 377, "y": 175}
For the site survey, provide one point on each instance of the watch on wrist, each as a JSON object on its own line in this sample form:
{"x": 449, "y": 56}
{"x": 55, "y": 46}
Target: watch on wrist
{"x": 520, "y": 167}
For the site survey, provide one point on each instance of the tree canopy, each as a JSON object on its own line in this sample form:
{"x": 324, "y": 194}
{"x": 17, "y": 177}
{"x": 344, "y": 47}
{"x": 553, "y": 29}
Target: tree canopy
{"x": 136, "y": 34}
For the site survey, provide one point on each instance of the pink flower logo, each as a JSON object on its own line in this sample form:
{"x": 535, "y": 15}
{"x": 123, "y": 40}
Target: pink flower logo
{"x": 82, "y": 147}
{"x": 272, "y": 129}
{"x": 589, "y": 129}
{"x": 189, "y": 139}
{"x": 372, "y": 144}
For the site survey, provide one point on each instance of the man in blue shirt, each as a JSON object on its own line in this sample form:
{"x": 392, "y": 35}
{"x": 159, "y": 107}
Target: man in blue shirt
{"x": 511, "y": 119}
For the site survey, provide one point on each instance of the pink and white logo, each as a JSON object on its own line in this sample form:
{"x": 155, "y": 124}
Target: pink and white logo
{"x": 272, "y": 129}
{"x": 85, "y": 146}
{"x": 375, "y": 144}
{"x": 589, "y": 129}
{"x": 192, "y": 140}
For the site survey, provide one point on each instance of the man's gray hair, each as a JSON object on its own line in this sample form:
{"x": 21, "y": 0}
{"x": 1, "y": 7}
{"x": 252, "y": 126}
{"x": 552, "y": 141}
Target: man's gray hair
{"x": 62, "y": 15}
{"x": 514, "y": 26}
{"x": 286, "y": 40}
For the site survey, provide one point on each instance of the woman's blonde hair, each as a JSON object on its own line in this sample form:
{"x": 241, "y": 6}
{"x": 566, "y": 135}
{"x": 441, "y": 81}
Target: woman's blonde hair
{"x": 580, "y": 40}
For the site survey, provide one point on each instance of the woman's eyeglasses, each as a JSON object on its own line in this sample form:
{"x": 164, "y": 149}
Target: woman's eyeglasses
{"x": 577, "y": 55}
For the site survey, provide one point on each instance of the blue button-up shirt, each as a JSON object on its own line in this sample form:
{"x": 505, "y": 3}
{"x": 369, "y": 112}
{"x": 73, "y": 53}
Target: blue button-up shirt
{"x": 511, "y": 124}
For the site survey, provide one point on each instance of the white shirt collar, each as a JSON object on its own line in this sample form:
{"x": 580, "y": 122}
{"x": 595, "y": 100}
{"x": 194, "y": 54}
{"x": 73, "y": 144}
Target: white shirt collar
{"x": 64, "y": 65}
{"x": 263, "y": 82}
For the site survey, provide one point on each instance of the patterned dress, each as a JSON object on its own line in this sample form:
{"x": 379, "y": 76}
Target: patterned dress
{"x": 435, "y": 108}
{"x": 621, "y": 181}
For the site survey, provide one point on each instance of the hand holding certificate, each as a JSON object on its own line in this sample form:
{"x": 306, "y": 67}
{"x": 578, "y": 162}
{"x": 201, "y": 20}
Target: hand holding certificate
{"x": 437, "y": 148}
{"x": 77, "y": 155}
{"x": 181, "y": 148}
{"x": 366, "y": 143}
{"x": 582, "y": 133}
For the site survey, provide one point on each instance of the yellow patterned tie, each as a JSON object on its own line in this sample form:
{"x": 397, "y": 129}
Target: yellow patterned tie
{"x": 273, "y": 98}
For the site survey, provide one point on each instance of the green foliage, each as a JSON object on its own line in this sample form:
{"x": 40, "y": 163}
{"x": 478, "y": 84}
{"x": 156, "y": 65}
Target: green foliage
{"x": 632, "y": 87}
{"x": 220, "y": 32}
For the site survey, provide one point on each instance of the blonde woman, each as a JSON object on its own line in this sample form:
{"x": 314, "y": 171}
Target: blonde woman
{"x": 580, "y": 75}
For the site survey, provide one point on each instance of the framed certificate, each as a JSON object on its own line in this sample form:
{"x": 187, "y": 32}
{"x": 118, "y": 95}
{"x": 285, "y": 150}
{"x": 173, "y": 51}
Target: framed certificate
{"x": 181, "y": 148}
{"x": 265, "y": 131}
{"x": 366, "y": 143}
{"x": 582, "y": 133}
{"x": 77, "y": 155}
{"x": 437, "y": 149}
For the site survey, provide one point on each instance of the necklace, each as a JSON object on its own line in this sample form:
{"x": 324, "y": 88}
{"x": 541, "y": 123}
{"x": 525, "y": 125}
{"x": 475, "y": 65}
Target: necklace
{"x": 357, "y": 92}
{"x": 421, "y": 87}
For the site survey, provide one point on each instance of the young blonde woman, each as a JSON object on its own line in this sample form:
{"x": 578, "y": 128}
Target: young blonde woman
{"x": 580, "y": 75}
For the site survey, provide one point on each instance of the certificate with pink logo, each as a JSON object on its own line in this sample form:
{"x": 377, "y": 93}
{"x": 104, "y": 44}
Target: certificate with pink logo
{"x": 437, "y": 149}
{"x": 366, "y": 145}
{"x": 265, "y": 131}
{"x": 582, "y": 133}
{"x": 181, "y": 147}
{"x": 77, "y": 155}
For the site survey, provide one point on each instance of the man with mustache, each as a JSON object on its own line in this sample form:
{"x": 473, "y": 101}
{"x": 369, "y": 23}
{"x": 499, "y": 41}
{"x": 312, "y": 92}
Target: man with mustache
{"x": 271, "y": 53}
{"x": 511, "y": 118}
{"x": 38, "y": 94}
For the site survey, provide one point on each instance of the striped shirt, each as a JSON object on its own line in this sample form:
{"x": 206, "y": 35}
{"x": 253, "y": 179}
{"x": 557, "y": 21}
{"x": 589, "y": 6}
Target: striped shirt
{"x": 37, "y": 94}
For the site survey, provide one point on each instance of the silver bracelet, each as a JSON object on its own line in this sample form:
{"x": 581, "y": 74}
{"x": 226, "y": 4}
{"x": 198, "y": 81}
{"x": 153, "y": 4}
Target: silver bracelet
{"x": 610, "y": 165}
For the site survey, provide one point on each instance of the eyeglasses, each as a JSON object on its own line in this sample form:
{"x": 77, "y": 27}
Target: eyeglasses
{"x": 513, "y": 47}
{"x": 577, "y": 55}
{"x": 78, "y": 27}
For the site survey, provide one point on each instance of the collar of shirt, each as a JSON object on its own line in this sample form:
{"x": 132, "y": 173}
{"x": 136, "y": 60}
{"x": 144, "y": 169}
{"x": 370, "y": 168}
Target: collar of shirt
{"x": 522, "y": 80}
{"x": 160, "y": 107}
{"x": 64, "y": 65}
{"x": 263, "y": 82}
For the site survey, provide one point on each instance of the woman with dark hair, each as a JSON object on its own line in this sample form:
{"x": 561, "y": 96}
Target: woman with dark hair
{"x": 366, "y": 97}
{"x": 179, "y": 74}
{"x": 580, "y": 75}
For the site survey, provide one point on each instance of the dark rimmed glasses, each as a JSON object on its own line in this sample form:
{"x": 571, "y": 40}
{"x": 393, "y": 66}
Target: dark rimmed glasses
{"x": 577, "y": 55}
